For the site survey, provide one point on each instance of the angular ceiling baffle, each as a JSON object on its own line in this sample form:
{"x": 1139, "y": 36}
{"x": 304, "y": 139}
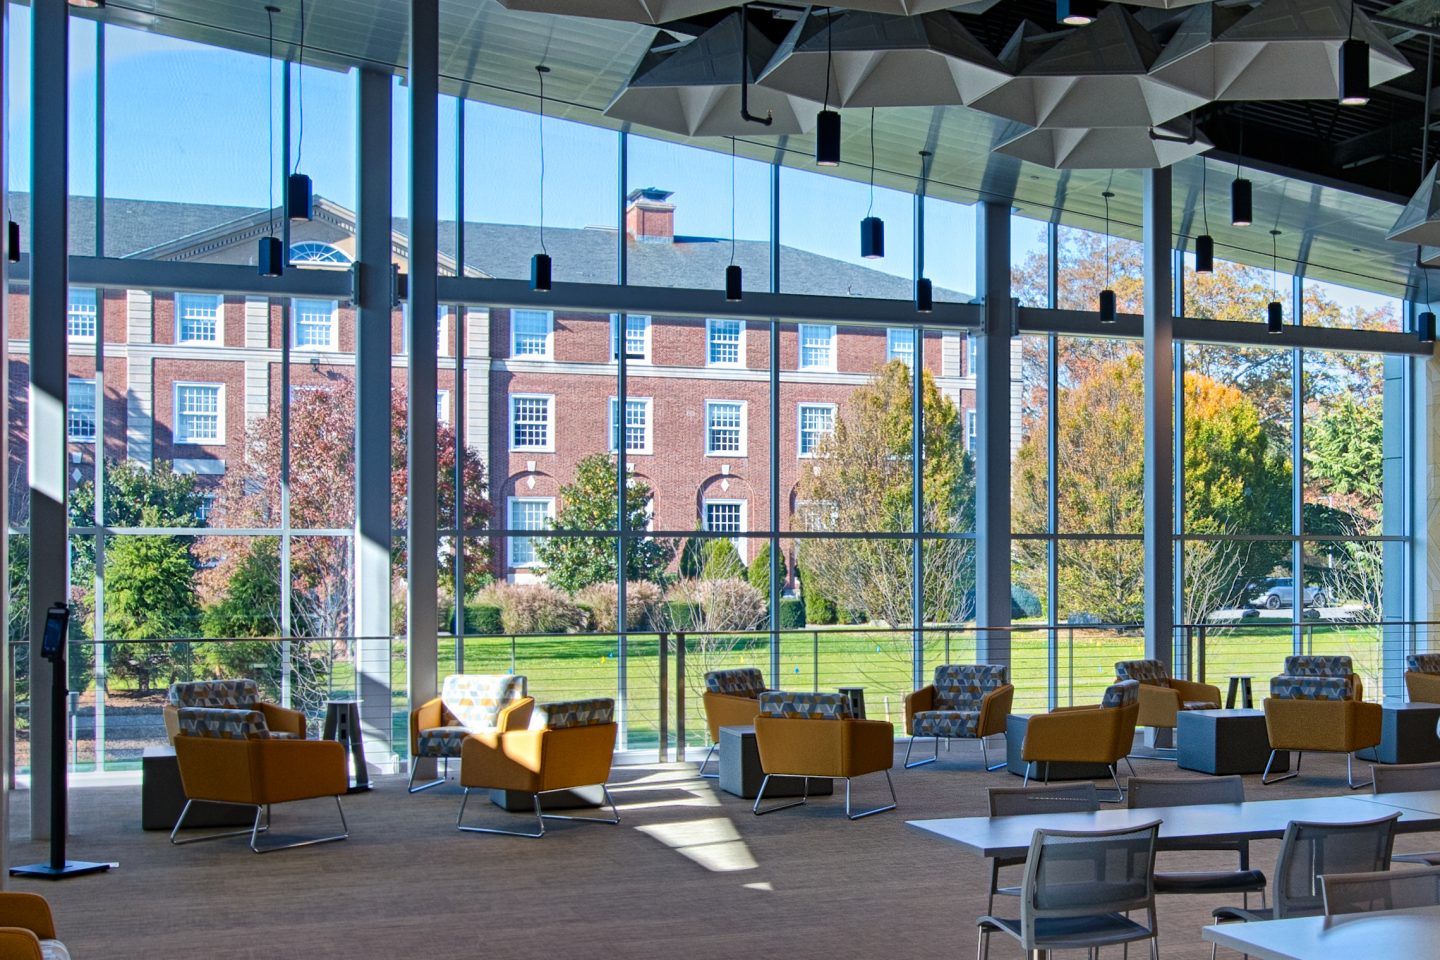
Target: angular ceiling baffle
{"x": 913, "y": 8}
{"x": 693, "y": 88}
{"x": 1099, "y": 148}
{"x": 1095, "y": 76}
{"x": 884, "y": 61}
{"x": 1279, "y": 50}
{"x": 1419, "y": 222}
{"x": 634, "y": 11}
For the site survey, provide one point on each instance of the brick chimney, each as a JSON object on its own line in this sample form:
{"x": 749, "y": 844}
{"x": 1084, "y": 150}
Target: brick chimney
{"x": 650, "y": 217}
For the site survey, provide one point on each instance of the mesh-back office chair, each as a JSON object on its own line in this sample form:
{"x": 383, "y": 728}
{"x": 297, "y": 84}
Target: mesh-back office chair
{"x": 1077, "y": 797}
{"x": 1402, "y": 778}
{"x": 1380, "y": 890}
{"x": 1172, "y": 792}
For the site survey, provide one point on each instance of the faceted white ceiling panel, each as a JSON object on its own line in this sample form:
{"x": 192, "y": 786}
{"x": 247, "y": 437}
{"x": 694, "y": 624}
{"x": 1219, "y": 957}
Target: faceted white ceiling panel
{"x": 1099, "y": 148}
{"x": 1419, "y": 223}
{"x": 883, "y": 61}
{"x": 634, "y": 11}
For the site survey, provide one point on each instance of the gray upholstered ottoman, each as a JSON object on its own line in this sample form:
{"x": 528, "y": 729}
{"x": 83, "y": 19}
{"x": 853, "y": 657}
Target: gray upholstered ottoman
{"x": 1224, "y": 742}
{"x": 1407, "y": 734}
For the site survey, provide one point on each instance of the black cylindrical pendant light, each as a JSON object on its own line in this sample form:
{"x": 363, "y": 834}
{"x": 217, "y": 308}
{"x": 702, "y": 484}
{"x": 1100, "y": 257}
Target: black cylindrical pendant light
{"x": 1076, "y": 13}
{"x": 1107, "y": 296}
{"x": 1274, "y": 313}
{"x": 1425, "y": 327}
{"x": 1354, "y": 73}
{"x": 733, "y": 283}
{"x": 1242, "y": 206}
{"x": 1204, "y": 253}
{"x": 1274, "y": 317}
{"x": 872, "y": 238}
{"x": 827, "y": 138}
{"x": 299, "y": 197}
{"x": 1107, "y": 306}
{"x": 271, "y": 257}
{"x": 12, "y": 242}
{"x": 924, "y": 295}
{"x": 540, "y": 272}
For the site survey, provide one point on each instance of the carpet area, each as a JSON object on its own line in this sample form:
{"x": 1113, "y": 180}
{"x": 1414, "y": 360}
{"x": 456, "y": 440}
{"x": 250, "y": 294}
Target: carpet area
{"x": 689, "y": 872}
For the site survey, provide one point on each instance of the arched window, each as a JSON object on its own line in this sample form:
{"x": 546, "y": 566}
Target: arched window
{"x": 313, "y": 251}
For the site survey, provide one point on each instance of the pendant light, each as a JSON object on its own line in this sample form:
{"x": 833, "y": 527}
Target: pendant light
{"x": 1076, "y": 13}
{"x": 540, "y": 262}
{"x": 271, "y": 255}
{"x": 1274, "y": 312}
{"x": 1204, "y": 244}
{"x": 1425, "y": 322}
{"x": 12, "y": 241}
{"x": 1107, "y": 296}
{"x": 827, "y": 122}
{"x": 299, "y": 194}
{"x": 872, "y": 228}
{"x": 924, "y": 289}
{"x": 734, "y": 277}
{"x": 1354, "y": 69}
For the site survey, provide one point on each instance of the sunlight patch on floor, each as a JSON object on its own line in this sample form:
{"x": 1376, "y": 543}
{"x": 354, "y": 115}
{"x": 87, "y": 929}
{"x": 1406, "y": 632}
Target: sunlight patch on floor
{"x": 713, "y": 843}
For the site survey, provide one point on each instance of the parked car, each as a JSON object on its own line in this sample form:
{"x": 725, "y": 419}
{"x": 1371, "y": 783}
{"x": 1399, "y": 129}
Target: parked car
{"x": 1274, "y": 593}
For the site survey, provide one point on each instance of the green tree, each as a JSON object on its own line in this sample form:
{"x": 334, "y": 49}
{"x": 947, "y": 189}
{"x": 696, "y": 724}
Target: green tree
{"x": 150, "y": 595}
{"x": 759, "y": 573}
{"x": 588, "y": 503}
{"x": 1344, "y": 457}
{"x": 722, "y": 561}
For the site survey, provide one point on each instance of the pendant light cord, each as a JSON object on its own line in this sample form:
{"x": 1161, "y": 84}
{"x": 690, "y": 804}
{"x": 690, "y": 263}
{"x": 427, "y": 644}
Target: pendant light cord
{"x": 1106, "y": 197}
{"x": 540, "y": 71}
{"x": 870, "y": 209}
{"x": 1204, "y": 195}
{"x": 732, "y": 201}
{"x": 829, "y": 52}
{"x": 1274, "y": 265}
{"x": 300, "y": 83}
{"x": 270, "y": 93}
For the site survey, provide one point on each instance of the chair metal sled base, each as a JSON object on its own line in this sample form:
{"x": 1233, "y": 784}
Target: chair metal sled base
{"x": 442, "y": 779}
{"x": 540, "y": 816}
{"x": 805, "y": 796}
{"x": 984, "y": 753}
{"x": 1114, "y": 778}
{"x": 254, "y": 832}
{"x": 1265, "y": 777}
{"x": 708, "y": 754}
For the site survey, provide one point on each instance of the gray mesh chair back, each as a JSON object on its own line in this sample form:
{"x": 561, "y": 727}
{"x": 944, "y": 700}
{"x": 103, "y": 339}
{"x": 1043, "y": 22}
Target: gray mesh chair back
{"x": 1381, "y": 890}
{"x": 1312, "y": 849}
{"x": 1172, "y": 792}
{"x": 1072, "y": 874}
{"x": 1399, "y": 778}
{"x": 1077, "y": 797}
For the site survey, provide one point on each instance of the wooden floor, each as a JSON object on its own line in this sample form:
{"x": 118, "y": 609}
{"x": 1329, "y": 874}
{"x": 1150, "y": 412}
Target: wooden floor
{"x": 689, "y": 873}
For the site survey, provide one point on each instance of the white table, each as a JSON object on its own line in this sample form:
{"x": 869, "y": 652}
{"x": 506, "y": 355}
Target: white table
{"x": 1408, "y": 934}
{"x": 1251, "y": 820}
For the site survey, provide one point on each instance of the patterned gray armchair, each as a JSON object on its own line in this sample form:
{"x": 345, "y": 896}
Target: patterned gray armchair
{"x": 967, "y": 701}
{"x": 274, "y": 721}
{"x": 1162, "y": 697}
{"x": 468, "y": 703}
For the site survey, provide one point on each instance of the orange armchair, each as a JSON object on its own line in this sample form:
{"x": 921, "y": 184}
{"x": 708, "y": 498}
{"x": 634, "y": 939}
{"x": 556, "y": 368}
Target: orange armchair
{"x": 815, "y": 735}
{"x": 966, "y": 701}
{"x": 1321, "y": 714}
{"x": 1100, "y": 734}
{"x": 27, "y": 929}
{"x": 281, "y": 722}
{"x": 730, "y": 701}
{"x": 468, "y": 703}
{"x": 1163, "y": 697}
{"x": 1422, "y": 677}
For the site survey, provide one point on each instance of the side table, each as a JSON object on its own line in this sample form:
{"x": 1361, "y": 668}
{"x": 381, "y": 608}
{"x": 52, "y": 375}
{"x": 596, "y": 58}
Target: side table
{"x": 342, "y": 723}
{"x": 856, "y": 695}
{"x": 162, "y": 797}
{"x": 1408, "y": 734}
{"x": 1247, "y": 699}
{"x": 1222, "y": 742}
{"x": 741, "y": 774}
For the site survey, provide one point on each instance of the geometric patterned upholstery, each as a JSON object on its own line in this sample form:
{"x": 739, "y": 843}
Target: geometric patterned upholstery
{"x": 799, "y": 705}
{"x": 474, "y": 700}
{"x": 739, "y": 682}
{"x": 1152, "y": 672}
{"x": 231, "y": 694}
{"x": 1312, "y": 687}
{"x": 1423, "y": 662}
{"x": 1121, "y": 694}
{"x": 960, "y": 687}
{"x": 223, "y": 724}
{"x": 573, "y": 713}
{"x": 441, "y": 741}
{"x": 954, "y": 724}
{"x": 1317, "y": 666}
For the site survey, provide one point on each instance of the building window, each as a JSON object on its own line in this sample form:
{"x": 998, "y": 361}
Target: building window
{"x": 80, "y": 411}
{"x": 900, "y": 345}
{"x": 314, "y": 252}
{"x": 199, "y": 413}
{"x": 207, "y": 503}
{"x": 817, "y": 347}
{"x": 442, "y": 341}
{"x": 972, "y": 431}
{"x": 527, "y": 513}
{"x": 530, "y": 333}
{"x": 314, "y": 324}
{"x": 637, "y": 338}
{"x": 970, "y": 344}
{"x": 442, "y": 406}
{"x": 198, "y": 317}
{"x": 725, "y": 343}
{"x": 727, "y": 517}
{"x": 817, "y": 420}
{"x": 530, "y": 422}
{"x": 82, "y": 316}
{"x": 725, "y": 427}
{"x": 637, "y": 424}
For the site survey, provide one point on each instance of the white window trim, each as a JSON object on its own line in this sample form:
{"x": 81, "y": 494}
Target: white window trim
{"x": 549, "y": 445}
{"x": 510, "y": 519}
{"x": 613, "y": 407}
{"x": 443, "y": 340}
{"x": 219, "y": 439}
{"x": 219, "y": 319}
{"x": 94, "y": 411}
{"x": 738, "y": 538}
{"x": 972, "y": 431}
{"x": 744, "y": 429}
{"x": 99, "y": 315}
{"x": 969, "y": 368}
{"x": 334, "y": 343}
{"x": 800, "y": 346}
{"x": 617, "y": 338}
{"x": 740, "y": 350}
{"x": 800, "y": 421}
{"x": 442, "y": 406}
{"x": 891, "y": 353}
{"x": 549, "y": 316}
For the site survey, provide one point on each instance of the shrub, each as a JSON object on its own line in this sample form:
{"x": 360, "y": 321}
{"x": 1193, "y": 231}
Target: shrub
{"x": 792, "y": 613}
{"x": 759, "y": 572}
{"x": 819, "y": 610}
{"x": 692, "y": 560}
{"x": 681, "y": 615}
{"x": 483, "y": 618}
{"x": 722, "y": 561}
{"x": 730, "y": 604}
{"x": 533, "y": 608}
{"x": 641, "y": 599}
{"x": 850, "y": 616}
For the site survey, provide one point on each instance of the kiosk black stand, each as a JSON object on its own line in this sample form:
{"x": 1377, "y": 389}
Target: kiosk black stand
{"x": 52, "y": 648}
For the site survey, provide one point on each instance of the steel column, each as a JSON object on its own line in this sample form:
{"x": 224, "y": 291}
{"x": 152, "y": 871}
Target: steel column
{"x": 774, "y": 447}
{"x": 917, "y": 464}
{"x": 993, "y": 435}
{"x": 1159, "y": 420}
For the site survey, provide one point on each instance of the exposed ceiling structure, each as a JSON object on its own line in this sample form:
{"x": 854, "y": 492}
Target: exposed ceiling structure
{"x": 1332, "y": 178}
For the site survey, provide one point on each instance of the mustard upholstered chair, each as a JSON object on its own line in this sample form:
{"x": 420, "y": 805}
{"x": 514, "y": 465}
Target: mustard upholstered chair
{"x": 816, "y": 735}
{"x": 1422, "y": 677}
{"x": 1101, "y": 733}
{"x": 228, "y": 756}
{"x": 27, "y": 929}
{"x": 967, "y": 701}
{"x": 730, "y": 701}
{"x": 1321, "y": 712}
{"x": 468, "y": 703}
{"x": 569, "y": 744}
{"x": 1163, "y": 697}
{"x": 282, "y": 723}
